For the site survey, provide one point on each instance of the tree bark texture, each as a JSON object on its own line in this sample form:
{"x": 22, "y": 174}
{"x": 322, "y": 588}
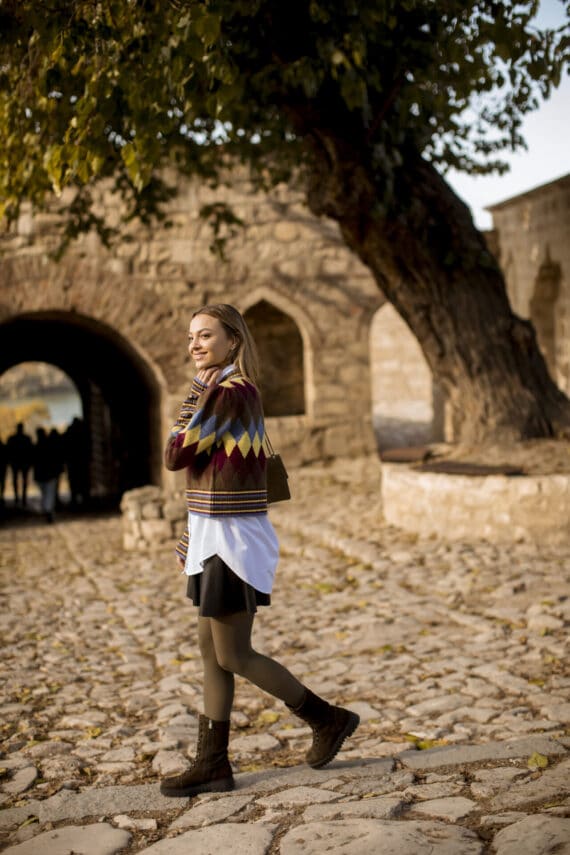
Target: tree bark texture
{"x": 433, "y": 265}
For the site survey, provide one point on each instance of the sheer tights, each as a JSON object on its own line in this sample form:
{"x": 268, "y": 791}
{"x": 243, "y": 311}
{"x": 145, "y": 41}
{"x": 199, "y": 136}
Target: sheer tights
{"x": 225, "y": 647}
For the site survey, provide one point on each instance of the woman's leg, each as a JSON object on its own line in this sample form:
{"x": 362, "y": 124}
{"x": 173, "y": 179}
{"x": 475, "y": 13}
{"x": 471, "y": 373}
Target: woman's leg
{"x": 231, "y": 636}
{"x": 211, "y": 771}
{"x": 218, "y": 682}
{"x": 331, "y": 725}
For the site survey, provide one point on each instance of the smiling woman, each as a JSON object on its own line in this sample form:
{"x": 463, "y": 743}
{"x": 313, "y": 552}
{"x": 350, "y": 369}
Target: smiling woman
{"x": 210, "y": 344}
{"x": 229, "y": 550}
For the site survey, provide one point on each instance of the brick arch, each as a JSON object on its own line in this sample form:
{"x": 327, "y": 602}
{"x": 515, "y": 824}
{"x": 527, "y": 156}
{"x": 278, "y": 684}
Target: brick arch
{"x": 120, "y": 392}
{"x": 140, "y": 316}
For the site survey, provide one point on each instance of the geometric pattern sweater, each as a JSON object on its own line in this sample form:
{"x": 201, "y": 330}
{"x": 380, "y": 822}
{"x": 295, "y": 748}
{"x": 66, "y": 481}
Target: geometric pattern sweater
{"x": 218, "y": 438}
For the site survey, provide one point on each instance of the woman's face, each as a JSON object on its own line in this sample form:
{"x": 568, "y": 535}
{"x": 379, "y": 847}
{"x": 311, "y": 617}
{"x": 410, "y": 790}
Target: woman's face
{"x": 209, "y": 345}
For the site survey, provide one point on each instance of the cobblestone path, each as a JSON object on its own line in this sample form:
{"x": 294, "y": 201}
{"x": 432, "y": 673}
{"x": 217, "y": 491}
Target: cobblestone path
{"x": 457, "y": 649}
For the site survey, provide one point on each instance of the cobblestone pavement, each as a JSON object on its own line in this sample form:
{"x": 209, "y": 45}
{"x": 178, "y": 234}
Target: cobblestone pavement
{"x": 454, "y": 655}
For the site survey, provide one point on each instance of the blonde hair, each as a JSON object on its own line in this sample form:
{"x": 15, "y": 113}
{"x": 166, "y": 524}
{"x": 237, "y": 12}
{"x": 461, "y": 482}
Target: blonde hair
{"x": 245, "y": 354}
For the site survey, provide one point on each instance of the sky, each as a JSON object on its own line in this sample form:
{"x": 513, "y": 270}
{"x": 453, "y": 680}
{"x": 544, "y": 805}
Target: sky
{"x": 547, "y": 133}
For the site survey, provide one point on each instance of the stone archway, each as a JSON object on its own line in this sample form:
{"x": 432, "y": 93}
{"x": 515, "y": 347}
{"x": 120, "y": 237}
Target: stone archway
{"x": 281, "y": 356}
{"x": 406, "y": 407}
{"x": 120, "y": 393}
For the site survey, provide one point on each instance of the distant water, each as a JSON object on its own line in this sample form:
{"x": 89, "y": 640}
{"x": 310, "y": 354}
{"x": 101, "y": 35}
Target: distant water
{"x": 63, "y": 406}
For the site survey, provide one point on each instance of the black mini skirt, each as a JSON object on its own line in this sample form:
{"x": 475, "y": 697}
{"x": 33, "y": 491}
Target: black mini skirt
{"x": 219, "y": 591}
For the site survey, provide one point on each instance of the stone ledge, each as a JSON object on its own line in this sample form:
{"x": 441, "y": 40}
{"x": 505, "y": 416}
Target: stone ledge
{"x": 151, "y": 518}
{"x": 490, "y": 507}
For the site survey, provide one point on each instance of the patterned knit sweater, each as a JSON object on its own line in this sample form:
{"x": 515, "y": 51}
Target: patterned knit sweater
{"x": 218, "y": 439}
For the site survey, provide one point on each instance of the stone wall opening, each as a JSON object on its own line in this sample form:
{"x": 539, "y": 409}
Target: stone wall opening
{"x": 119, "y": 394}
{"x": 407, "y": 408}
{"x": 543, "y": 309}
{"x": 281, "y": 358}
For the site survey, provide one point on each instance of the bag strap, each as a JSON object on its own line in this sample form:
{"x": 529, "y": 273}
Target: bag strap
{"x": 268, "y": 444}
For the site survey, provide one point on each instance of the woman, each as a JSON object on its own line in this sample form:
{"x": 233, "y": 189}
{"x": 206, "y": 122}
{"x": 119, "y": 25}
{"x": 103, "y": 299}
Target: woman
{"x": 46, "y": 471}
{"x": 230, "y": 553}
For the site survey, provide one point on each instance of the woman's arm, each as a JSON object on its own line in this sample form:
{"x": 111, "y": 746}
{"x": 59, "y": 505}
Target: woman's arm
{"x": 216, "y": 408}
{"x": 189, "y": 404}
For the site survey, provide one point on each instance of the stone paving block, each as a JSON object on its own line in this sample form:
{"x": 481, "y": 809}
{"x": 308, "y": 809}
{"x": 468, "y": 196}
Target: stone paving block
{"x": 239, "y": 839}
{"x": 381, "y": 807}
{"x": 211, "y": 812}
{"x": 10, "y": 817}
{"x": 366, "y": 711}
{"x": 298, "y": 796}
{"x": 557, "y": 712}
{"x": 251, "y": 744}
{"x": 501, "y": 819}
{"x": 433, "y": 706}
{"x": 133, "y": 822}
{"x": 455, "y": 755}
{"x": 435, "y": 790}
{"x": 553, "y": 784}
{"x": 22, "y": 780}
{"x": 452, "y": 808}
{"x": 360, "y": 836}
{"x": 272, "y": 779}
{"x": 105, "y": 801}
{"x": 490, "y": 781}
{"x": 98, "y": 839}
{"x": 535, "y": 835}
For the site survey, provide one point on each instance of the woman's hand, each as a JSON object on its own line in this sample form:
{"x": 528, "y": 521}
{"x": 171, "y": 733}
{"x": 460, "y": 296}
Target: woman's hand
{"x": 209, "y": 376}
{"x": 181, "y": 563}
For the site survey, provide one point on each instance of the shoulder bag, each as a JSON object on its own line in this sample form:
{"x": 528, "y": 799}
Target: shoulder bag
{"x": 277, "y": 478}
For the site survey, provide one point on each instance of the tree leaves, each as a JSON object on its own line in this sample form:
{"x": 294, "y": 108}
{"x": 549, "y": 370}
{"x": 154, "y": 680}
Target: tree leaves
{"x": 118, "y": 91}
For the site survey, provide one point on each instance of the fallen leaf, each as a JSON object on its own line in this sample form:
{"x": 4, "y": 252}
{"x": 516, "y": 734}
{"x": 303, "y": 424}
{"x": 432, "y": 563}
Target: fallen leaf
{"x": 537, "y": 761}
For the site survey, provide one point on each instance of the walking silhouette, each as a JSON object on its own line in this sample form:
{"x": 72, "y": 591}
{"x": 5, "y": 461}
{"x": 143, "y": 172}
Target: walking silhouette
{"x": 20, "y": 457}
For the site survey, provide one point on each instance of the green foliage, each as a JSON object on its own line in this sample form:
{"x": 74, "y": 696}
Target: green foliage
{"x": 115, "y": 91}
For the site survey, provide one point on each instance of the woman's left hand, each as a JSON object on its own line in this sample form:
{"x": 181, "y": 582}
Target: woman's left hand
{"x": 209, "y": 376}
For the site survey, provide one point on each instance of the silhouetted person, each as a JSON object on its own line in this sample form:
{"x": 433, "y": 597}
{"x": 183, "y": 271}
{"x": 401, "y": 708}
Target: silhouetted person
{"x": 77, "y": 461}
{"x": 57, "y": 441}
{"x": 46, "y": 470}
{"x": 20, "y": 456}
{"x": 3, "y": 468}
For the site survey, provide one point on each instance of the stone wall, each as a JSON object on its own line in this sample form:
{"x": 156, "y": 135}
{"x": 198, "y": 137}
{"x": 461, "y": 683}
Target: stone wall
{"x": 534, "y": 251}
{"x": 333, "y": 353}
{"x": 151, "y": 518}
{"x": 497, "y": 508}
{"x": 309, "y": 298}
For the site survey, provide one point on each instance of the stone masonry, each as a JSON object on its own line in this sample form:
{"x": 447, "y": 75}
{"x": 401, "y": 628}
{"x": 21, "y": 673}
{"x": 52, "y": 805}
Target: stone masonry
{"x": 286, "y": 266}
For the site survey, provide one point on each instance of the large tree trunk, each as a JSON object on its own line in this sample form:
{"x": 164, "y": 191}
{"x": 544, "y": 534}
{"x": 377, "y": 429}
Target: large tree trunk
{"x": 433, "y": 265}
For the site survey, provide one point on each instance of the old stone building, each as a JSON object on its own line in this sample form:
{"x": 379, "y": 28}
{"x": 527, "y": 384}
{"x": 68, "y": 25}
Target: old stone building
{"x": 116, "y": 322}
{"x": 342, "y": 373}
{"x": 532, "y": 232}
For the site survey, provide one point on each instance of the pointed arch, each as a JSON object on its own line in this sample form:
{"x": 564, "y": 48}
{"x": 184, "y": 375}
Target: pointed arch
{"x": 281, "y": 356}
{"x": 543, "y": 308}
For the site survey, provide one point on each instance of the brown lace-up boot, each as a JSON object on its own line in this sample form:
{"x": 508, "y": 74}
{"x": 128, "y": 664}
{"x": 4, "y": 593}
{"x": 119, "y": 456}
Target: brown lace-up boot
{"x": 211, "y": 771}
{"x": 330, "y": 726}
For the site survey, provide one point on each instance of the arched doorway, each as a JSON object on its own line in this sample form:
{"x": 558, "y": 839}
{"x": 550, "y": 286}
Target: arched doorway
{"x": 119, "y": 393}
{"x": 543, "y": 309}
{"x": 406, "y": 409}
{"x": 281, "y": 358}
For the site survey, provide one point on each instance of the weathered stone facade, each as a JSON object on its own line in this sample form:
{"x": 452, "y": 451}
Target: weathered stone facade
{"x": 497, "y": 508}
{"x": 116, "y": 322}
{"x": 533, "y": 238}
{"x": 337, "y": 360}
